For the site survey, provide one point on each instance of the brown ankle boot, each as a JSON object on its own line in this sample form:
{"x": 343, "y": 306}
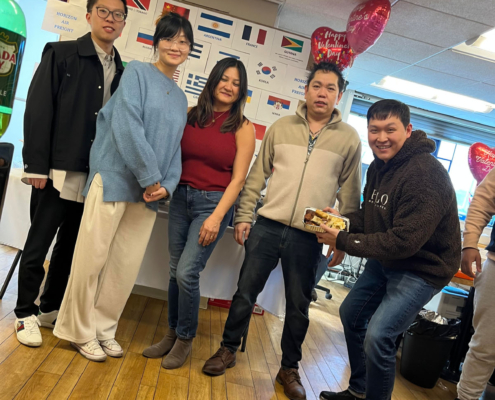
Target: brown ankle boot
{"x": 291, "y": 381}
{"x": 163, "y": 347}
{"x": 219, "y": 362}
{"x": 178, "y": 355}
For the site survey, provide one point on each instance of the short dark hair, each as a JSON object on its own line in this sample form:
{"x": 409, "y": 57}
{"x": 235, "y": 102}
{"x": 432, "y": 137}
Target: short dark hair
{"x": 169, "y": 26}
{"x": 91, "y": 4}
{"x": 328, "y": 67}
{"x": 202, "y": 114}
{"x": 384, "y": 109}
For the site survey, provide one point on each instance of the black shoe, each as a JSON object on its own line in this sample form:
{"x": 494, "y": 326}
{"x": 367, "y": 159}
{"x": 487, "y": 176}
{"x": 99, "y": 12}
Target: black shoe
{"x": 345, "y": 395}
{"x": 314, "y": 295}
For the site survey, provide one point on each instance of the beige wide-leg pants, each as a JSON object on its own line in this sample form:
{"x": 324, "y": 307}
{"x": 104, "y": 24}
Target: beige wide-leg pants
{"x": 480, "y": 359}
{"x": 110, "y": 247}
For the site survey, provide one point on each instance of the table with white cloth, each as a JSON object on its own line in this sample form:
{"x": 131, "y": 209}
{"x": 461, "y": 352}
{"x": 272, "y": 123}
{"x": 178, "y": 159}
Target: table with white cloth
{"x": 218, "y": 280}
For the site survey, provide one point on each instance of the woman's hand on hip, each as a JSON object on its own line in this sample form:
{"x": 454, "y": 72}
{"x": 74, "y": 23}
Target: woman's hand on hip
{"x": 209, "y": 230}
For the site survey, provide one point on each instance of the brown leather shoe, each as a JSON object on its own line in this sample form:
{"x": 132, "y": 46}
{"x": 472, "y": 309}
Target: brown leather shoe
{"x": 219, "y": 362}
{"x": 291, "y": 381}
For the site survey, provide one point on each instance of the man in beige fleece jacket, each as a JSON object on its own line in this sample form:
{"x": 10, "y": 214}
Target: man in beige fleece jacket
{"x": 311, "y": 158}
{"x": 480, "y": 359}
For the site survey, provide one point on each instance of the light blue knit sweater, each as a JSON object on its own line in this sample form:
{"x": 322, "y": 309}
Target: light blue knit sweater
{"x": 138, "y": 135}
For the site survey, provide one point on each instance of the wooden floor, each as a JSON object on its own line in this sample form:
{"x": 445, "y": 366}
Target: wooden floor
{"x": 56, "y": 371}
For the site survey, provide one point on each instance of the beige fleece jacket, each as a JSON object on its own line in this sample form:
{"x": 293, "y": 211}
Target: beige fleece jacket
{"x": 480, "y": 212}
{"x": 332, "y": 171}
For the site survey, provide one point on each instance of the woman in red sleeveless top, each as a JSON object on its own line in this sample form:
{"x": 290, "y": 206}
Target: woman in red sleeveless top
{"x": 217, "y": 148}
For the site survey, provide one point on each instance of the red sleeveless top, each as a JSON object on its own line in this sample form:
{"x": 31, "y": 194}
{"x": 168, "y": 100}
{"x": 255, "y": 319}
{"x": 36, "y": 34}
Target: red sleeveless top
{"x": 208, "y": 156}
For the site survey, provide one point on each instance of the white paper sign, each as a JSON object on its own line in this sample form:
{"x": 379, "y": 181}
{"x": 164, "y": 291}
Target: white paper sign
{"x": 121, "y": 42}
{"x": 193, "y": 84}
{"x": 253, "y": 38}
{"x": 65, "y": 19}
{"x": 198, "y": 57}
{"x": 141, "y": 11}
{"x": 264, "y": 73}
{"x": 273, "y": 106}
{"x": 291, "y": 49}
{"x": 214, "y": 28}
{"x": 140, "y": 40}
{"x": 218, "y": 53}
{"x": 252, "y": 102}
{"x": 80, "y": 3}
{"x": 164, "y": 6}
{"x": 295, "y": 81}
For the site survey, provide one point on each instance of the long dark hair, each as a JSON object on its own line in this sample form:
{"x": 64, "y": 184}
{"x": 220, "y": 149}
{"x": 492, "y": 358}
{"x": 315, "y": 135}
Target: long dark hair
{"x": 202, "y": 114}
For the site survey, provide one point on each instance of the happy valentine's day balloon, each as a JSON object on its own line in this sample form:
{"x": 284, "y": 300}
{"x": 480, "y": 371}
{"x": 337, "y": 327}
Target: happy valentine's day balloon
{"x": 331, "y": 46}
{"x": 481, "y": 160}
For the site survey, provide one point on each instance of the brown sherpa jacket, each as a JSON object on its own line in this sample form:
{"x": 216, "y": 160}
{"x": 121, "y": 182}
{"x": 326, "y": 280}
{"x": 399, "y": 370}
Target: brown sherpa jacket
{"x": 332, "y": 170}
{"x": 408, "y": 219}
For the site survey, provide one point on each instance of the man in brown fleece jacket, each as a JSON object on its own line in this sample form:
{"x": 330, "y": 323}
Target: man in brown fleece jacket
{"x": 408, "y": 228}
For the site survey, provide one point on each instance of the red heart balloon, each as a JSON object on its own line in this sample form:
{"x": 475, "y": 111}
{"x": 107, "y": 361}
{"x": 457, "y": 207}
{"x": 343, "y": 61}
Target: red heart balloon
{"x": 331, "y": 46}
{"x": 481, "y": 160}
{"x": 366, "y": 24}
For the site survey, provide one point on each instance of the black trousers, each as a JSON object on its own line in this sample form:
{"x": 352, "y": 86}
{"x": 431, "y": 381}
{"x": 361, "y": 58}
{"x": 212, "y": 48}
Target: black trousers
{"x": 49, "y": 213}
{"x": 300, "y": 253}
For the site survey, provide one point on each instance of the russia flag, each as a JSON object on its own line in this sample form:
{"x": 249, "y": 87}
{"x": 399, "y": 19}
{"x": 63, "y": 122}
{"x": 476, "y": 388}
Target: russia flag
{"x": 145, "y": 38}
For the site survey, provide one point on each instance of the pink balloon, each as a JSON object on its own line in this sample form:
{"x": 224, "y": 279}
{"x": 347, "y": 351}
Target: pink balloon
{"x": 331, "y": 46}
{"x": 367, "y": 23}
{"x": 481, "y": 160}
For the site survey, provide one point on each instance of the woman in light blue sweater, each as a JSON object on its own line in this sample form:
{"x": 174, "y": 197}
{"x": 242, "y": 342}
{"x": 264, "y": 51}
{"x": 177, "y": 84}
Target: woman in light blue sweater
{"x": 135, "y": 161}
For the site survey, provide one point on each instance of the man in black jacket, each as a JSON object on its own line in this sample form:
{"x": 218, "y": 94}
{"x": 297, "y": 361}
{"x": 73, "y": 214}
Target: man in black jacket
{"x": 72, "y": 83}
{"x": 408, "y": 229}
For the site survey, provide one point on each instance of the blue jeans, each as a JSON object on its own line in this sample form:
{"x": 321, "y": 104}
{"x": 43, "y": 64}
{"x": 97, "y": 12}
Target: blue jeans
{"x": 381, "y": 305}
{"x": 189, "y": 208}
{"x": 300, "y": 253}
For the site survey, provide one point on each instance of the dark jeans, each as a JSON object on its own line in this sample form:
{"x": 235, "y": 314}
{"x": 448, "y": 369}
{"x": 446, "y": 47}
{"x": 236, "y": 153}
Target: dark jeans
{"x": 299, "y": 252}
{"x": 381, "y": 305}
{"x": 189, "y": 208}
{"x": 48, "y": 213}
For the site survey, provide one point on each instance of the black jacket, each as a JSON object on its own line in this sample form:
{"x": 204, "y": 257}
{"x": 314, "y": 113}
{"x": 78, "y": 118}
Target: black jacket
{"x": 63, "y": 101}
{"x": 408, "y": 219}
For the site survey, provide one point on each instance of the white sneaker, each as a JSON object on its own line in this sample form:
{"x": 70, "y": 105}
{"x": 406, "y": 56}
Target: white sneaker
{"x": 112, "y": 348}
{"x": 91, "y": 350}
{"x": 48, "y": 320}
{"x": 28, "y": 331}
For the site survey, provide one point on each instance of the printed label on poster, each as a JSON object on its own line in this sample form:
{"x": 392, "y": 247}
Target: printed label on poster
{"x": 218, "y": 53}
{"x": 253, "y": 39}
{"x": 274, "y": 106}
{"x": 214, "y": 28}
{"x": 65, "y": 19}
{"x": 193, "y": 84}
{"x": 291, "y": 49}
{"x": 264, "y": 73}
{"x": 294, "y": 83}
{"x": 252, "y": 102}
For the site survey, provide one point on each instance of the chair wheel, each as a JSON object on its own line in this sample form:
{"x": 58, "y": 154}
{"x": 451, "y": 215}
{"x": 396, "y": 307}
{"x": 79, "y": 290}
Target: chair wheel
{"x": 328, "y": 296}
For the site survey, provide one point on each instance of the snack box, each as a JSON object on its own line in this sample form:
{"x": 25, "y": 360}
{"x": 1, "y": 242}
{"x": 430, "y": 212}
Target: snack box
{"x": 314, "y": 228}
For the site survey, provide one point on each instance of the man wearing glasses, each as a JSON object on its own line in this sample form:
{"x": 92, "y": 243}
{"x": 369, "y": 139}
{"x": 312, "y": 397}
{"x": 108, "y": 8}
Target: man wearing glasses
{"x": 72, "y": 83}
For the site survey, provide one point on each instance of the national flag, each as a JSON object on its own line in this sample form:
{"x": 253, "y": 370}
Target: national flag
{"x": 259, "y": 131}
{"x": 139, "y": 4}
{"x": 195, "y": 84}
{"x": 196, "y": 51}
{"x": 249, "y": 96}
{"x": 278, "y": 103}
{"x": 292, "y": 44}
{"x": 226, "y": 55}
{"x": 266, "y": 70}
{"x": 145, "y": 37}
{"x": 176, "y": 75}
{"x": 260, "y": 38}
{"x": 168, "y": 8}
{"x": 215, "y": 25}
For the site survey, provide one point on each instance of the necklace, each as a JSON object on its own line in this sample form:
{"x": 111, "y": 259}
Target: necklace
{"x": 213, "y": 120}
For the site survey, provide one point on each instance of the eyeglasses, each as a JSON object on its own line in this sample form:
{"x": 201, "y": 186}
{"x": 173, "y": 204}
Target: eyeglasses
{"x": 118, "y": 16}
{"x": 182, "y": 45}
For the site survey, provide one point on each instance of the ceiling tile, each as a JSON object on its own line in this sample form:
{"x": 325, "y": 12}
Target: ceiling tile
{"x": 482, "y": 11}
{"x": 403, "y": 49}
{"x": 480, "y": 91}
{"x": 430, "y": 26}
{"x": 433, "y": 78}
{"x": 378, "y": 64}
{"x": 461, "y": 65}
{"x": 356, "y": 75}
